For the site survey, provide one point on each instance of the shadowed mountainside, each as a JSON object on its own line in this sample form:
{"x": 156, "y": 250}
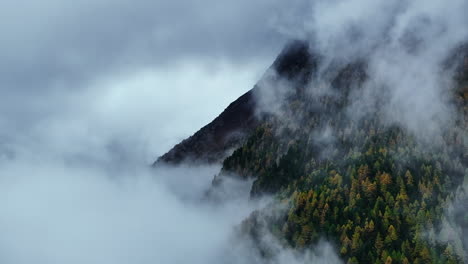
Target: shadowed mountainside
{"x": 230, "y": 129}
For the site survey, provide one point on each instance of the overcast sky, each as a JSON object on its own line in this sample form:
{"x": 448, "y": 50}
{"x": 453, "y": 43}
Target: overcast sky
{"x": 139, "y": 74}
{"x": 92, "y": 92}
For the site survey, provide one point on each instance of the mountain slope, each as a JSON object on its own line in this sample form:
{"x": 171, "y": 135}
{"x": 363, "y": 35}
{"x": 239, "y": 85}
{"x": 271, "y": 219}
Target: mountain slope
{"x": 225, "y": 132}
{"x": 230, "y": 129}
{"x": 375, "y": 189}
{"x": 349, "y": 166}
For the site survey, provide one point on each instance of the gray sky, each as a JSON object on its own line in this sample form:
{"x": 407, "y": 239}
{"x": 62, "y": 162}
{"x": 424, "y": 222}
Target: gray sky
{"x": 92, "y": 91}
{"x": 146, "y": 72}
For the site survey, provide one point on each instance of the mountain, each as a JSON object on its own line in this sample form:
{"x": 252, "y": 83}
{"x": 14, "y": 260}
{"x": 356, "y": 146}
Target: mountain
{"x": 383, "y": 178}
{"x": 212, "y": 142}
{"x": 230, "y": 129}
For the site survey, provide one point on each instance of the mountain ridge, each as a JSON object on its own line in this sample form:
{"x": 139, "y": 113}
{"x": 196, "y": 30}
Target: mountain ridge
{"x": 227, "y": 131}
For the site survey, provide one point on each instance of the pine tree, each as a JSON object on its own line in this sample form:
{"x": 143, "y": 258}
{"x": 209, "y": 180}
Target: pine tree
{"x": 409, "y": 178}
{"x": 356, "y": 240}
{"x": 388, "y": 260}
{"x": 379, "y": 244}
{"x": 392, "y": 233}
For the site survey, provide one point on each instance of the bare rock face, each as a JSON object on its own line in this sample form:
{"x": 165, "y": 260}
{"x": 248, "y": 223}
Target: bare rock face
{"x": 211, "y": 142}
{"x": 229, "y": 130}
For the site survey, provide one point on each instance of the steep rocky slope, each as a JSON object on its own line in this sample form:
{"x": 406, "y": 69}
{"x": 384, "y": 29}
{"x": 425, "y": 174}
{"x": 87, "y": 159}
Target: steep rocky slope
{"x": 229, "y": 130}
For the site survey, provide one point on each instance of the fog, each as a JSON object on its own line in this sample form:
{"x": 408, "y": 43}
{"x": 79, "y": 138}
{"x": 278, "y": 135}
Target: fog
{"x": 94, "y": 91}
{"x": 60, "y": 205}
{"x": 53, "y": 212}
{"x": 404, "y": 45}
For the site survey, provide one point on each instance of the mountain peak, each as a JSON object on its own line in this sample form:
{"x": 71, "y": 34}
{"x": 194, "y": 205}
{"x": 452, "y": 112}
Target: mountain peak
{"x": 229, "y": 130}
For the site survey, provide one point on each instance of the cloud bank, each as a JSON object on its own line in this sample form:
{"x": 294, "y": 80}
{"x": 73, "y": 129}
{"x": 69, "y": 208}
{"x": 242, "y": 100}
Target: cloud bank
{"x": 92, "y": 93}
{"x": 404, "y": 45}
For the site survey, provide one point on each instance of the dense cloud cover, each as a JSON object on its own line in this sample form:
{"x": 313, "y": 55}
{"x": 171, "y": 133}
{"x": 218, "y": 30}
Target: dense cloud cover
{"x": 408, "y": 50}
{"x": 127, "y": 66}
{"x": 94, "y": 91}
{"x": 404, "y": 45}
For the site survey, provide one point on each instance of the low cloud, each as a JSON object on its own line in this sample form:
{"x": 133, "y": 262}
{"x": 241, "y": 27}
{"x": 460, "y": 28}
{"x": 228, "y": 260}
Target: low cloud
{"x": 66, "y": 214}
{"x": 404, "y": 45}
{"x": 61, "y": 211}
{"x": 94, "y": 91}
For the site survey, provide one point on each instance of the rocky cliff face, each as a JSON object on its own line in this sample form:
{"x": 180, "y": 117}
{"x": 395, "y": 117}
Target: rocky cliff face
{"x": 229, "y": 130}
{"x": 211, "y": 143}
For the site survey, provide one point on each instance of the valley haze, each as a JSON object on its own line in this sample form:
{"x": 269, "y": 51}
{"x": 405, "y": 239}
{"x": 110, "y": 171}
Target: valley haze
{"x": 101, "y": 161}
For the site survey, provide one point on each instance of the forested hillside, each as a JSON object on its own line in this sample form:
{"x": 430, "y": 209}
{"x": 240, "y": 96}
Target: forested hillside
{"x": 378, "y": 191}
{"x": 383, "y": 181}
